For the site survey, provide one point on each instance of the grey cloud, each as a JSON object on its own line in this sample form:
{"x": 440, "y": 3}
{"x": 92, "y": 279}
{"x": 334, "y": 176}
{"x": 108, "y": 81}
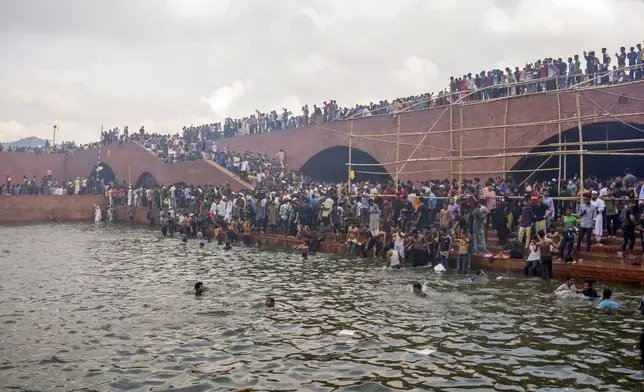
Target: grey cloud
{"x": 163, "y": 64}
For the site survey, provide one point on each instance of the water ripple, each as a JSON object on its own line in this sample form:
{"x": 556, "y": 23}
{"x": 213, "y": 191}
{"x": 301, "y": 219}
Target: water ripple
{"x": 109, "y": 307}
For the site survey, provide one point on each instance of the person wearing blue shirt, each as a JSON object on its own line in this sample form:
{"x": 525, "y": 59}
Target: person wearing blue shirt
{"x": 607, "y": 302}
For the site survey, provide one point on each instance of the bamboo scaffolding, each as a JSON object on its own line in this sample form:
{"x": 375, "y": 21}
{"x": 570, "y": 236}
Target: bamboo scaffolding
{"x": 409, "y": 172}
{"x": 520, "y": 154}
{"x": 560, "y": 130}
{"x": 505, "y": 135}
{"x": 572, "y": 120}
{"x": 562, "y": 145}
{"x": 451, "y": 143}
{"x": 581, "y": 143}
{"x": 350, "y": 149}
{"x": 460, "y": 140}
{"x": 397, "y": 149}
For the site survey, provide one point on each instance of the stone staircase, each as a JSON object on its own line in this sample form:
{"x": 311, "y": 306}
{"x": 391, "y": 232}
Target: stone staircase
{"x": 233, "y": 177}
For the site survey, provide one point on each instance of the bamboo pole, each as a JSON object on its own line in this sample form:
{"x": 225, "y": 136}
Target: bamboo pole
{"x": 510, "y": 126}
{"x": 534, "y": 171}
{"x": 460, "y": 162}
{"x": 560, "y": 131}
{"x": 581, "y": 150}
{"x": 505, "y": 135}
{"x": 350, "y": 166}
{"x": 565, "y": 160}
{"x": 397, "y": 149}
{"x": 510, "y": 171}
{"x": 409, "y": 172}
{"x": 496, "y": 156}
{"x": 451, "y": 143}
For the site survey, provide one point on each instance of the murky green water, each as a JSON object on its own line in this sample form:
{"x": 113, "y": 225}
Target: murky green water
{"x": 85, "y": 307}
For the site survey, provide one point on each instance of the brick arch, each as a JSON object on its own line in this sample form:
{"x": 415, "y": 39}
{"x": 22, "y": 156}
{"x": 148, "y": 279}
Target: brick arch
{"x": 146, "y": 179}
{"x": 593, "y": 164}
{"x": 330, "y": 165}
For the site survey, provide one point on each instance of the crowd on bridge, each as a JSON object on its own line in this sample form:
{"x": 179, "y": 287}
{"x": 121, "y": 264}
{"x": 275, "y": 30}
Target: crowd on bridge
{"x": 541, "y": 75}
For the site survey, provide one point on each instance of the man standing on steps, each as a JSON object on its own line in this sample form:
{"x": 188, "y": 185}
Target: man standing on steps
{"x": 587, "y": 214}
{"x": 280, "y": 156}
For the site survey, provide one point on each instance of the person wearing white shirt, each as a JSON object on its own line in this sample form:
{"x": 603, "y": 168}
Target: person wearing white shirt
{"x": 394, "y": 259}
{"x": 280, "y": 156}
{"x": 599, "y": 219}
{"x": 567, "y": 287}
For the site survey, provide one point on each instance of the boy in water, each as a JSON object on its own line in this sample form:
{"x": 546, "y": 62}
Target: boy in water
{"x": 463, "y": 252}
{"x": 394, "y": 259}
{"x": 478, "y": 278}
{"x": 444, "y": 246}
{"x": 546, "y": 245}
{"x": 607, "y": 302}
{"x": 418, "y": 290}
{"x": 568, "y": 285}
{"x": 270, "y": 302}
{"x": 200, "y": 289}
{"x": 589, "y": 291}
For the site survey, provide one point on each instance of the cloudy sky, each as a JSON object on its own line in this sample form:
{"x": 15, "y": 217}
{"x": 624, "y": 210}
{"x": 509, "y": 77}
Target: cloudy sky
{"x": 164, "y": 64}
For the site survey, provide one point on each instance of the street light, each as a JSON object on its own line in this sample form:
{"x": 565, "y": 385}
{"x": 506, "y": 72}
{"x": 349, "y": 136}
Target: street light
{"x": 53, "y": 142}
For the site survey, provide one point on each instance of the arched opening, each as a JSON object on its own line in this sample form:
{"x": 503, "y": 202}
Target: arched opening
{"x": 146, "y": 180}
{"x": 331, "y": 165}
{"x": 600, "y": 166}
{"x": 103, "y": 173}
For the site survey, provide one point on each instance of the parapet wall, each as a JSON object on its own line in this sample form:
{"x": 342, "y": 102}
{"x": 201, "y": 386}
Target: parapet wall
{"x": 40, "y": 208}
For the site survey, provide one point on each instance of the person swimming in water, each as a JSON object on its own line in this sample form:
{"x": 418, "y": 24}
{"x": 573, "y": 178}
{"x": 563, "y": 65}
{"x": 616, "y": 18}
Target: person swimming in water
{"x": 200, "y": 288}
{"x": 227, "y": 246}
{"x": 588, "y": 291}
{"x": 201, "y": 244}
{"x": 480, "y": 275}
{"x": 418, "y": 290}
{"x": 270, "y": 302}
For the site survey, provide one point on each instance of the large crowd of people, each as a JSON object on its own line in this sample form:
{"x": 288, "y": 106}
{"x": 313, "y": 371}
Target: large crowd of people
{"x": 541, "y": 75}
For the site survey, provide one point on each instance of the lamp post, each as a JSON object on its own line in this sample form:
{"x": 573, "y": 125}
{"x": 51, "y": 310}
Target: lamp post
{"x": 53, "y": 142}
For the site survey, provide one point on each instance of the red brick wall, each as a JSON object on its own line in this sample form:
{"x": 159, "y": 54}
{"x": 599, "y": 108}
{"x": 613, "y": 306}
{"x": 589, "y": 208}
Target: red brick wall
{"x": 301, "y": 144}
{"x": 19, "y": 164}
{"x": 130, "y": 160}
{"x": 38, "y": 208}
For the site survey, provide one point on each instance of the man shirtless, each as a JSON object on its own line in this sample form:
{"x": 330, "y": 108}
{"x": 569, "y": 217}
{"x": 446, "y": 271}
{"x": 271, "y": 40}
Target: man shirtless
{"x": 546, "y": 244}
{"x": 352, "y": 238}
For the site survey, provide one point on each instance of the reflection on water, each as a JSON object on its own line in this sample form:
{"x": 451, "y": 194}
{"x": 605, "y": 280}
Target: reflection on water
{"x": 86, "y": 307}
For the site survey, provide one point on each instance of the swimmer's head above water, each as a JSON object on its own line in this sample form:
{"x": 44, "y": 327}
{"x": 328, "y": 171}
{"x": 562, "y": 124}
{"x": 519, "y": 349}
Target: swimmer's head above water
{"x": 201, "y": 244}
{"x": 270, "y": 302}
{"x": 200, "y": 288}
{"x": 418, "y": 289}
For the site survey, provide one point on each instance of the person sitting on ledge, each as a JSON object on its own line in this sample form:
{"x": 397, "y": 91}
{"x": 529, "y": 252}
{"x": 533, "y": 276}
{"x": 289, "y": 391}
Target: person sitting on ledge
{"x": 513, "y": 249}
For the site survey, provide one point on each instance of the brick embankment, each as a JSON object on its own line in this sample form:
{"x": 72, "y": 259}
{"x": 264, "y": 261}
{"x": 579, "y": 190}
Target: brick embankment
{"x": 27, "y": 208}
{"x": 601, "y": 264}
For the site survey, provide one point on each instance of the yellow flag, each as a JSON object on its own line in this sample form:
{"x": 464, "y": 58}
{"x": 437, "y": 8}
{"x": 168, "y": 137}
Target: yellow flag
{"x": 352, "y": 174}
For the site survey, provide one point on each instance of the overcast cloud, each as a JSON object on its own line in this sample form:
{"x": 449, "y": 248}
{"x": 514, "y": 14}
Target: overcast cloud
{"x": 81, "y": 64}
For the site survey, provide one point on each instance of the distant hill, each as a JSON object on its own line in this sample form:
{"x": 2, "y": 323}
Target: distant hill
{"x": 26, "y": 142}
